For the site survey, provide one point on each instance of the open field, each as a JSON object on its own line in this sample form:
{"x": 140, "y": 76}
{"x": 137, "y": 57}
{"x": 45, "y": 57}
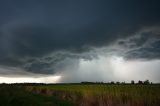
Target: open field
{"x": 15, "y": 96}
{"x": 82, "y": 95}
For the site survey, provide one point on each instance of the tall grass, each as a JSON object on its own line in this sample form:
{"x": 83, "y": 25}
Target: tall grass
{"x": 14, "y": 96}
{"x": 104, "y": 95}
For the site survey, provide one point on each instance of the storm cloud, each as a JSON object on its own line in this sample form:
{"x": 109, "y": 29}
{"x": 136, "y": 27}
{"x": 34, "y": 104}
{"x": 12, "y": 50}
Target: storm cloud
{"x": 49, "y": 37}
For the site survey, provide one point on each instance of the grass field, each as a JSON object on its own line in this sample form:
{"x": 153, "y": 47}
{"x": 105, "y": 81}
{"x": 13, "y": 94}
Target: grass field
{"x": 80, "y": 95}
{"x": 15, "y": 96}
{"x": 102, "y": 94}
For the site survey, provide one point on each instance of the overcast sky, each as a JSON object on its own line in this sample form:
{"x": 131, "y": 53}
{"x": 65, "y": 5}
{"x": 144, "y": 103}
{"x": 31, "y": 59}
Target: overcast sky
{"x": 79, "y": 40}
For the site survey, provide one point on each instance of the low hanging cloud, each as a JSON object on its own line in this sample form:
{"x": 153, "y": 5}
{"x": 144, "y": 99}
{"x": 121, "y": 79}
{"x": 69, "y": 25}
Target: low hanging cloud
{"x": 50, "y": 37}
{"x": 106, "y": 69}
{"x": 142, "y": 45}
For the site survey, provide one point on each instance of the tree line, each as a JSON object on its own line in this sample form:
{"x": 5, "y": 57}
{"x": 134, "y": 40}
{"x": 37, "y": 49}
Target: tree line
{"x": 146, "y": 82}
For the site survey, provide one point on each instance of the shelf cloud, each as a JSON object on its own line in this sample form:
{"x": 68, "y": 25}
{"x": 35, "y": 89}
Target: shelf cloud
{"x": 49, "y": 37}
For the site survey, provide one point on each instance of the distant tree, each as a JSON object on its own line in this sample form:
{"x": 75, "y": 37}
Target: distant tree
{"x": 146, "y": 82}
{"x": 112, "y": 82}
{"x": 86, "y": 82}
{"x": 140, "y": 82}
{"x": 132, "y": 82}
{"x": 117, "y": 82}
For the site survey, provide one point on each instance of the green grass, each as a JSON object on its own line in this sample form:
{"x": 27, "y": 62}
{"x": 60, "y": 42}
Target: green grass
{"x": 80, "y": 95}
{"x": 14, "y": 96}
{"x": 114, "y": 95}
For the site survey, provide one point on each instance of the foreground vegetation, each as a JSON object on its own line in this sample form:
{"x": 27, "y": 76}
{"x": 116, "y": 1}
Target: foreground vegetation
{"x": 102, "y": 94}
{"x": 15, "y": 96}
{"x": 80, "y": 95}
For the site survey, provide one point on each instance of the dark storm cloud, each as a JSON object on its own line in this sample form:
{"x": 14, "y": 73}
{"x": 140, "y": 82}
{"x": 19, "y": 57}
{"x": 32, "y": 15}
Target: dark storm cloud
{"x": 33, "y": 29}
{"x": 143, "y": 45}
{"x": 55, "y": 62}
{"x": 152, "y": 52}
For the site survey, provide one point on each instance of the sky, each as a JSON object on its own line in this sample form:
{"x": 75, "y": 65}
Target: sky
{"x": 57, "y": 41}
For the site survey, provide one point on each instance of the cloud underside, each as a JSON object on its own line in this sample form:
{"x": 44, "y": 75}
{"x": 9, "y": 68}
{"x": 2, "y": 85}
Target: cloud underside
{"x": 44, "y": 38}
{"x": 38, "y": 57}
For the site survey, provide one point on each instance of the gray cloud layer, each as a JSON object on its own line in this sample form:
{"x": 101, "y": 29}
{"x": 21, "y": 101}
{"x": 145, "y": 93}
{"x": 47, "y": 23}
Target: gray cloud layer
{"x": 39, "y": 36}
